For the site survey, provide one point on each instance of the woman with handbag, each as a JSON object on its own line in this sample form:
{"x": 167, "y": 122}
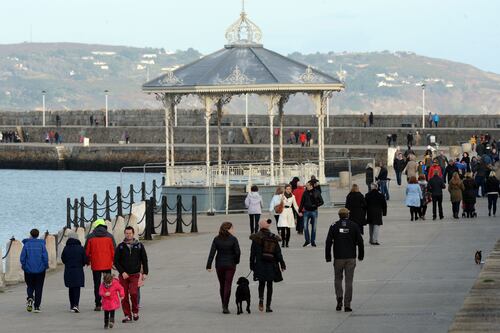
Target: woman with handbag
{"x": 287, "y": 220}
{"x": 266, "y": 262}
{"x": 276, "y": 204}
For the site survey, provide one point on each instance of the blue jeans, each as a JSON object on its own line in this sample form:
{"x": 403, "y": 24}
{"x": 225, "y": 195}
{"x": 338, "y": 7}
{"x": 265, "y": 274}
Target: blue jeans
{"x": 480, "y": 182}
{"x": 398, "y": 177}
{"x": 383, "y": 188}
{"x": 313, "y": 217}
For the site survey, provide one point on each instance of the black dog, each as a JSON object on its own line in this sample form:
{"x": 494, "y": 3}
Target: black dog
{"x": 242, "y": 294}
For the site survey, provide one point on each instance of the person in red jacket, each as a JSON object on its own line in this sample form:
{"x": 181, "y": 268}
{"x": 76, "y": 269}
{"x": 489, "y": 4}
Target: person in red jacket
{"x": 298, "y": 192}
{"x": 434, "y": 166}
{"x": 100, "y": 252}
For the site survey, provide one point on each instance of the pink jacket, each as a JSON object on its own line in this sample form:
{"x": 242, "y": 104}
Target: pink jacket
{"x": 112, "y": 302}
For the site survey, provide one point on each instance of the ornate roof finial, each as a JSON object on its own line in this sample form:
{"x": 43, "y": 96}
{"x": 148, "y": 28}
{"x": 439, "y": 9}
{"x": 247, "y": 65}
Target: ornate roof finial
{"x": 243, "y": 31}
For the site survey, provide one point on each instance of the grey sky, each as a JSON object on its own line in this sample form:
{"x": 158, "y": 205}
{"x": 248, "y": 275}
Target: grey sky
{"x": 464, "y": 31}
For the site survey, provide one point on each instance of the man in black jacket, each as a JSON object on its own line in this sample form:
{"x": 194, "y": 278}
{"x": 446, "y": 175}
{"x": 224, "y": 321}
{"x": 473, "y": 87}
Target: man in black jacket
{"x": 450, "y": 169}
{"x": 436, "y": 186}
{"x": 130, "y": 260}
{"x": 311, "y": 200}
{"x": 344, "y": 235}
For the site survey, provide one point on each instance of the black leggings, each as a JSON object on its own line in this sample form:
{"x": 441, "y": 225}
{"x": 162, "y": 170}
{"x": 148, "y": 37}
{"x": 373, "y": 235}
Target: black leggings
{"x": 414, "y": 212}
{"x": 285, "y": 235}
{"x": 109, "y": 316}
{"x": 262, "y": 285}
{"x": 492, "y": 203}
{"x": 254, "y": 222}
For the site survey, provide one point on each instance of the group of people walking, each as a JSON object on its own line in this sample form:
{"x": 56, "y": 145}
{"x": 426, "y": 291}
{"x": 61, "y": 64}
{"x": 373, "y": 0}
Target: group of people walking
{"x": 129, "y": 259}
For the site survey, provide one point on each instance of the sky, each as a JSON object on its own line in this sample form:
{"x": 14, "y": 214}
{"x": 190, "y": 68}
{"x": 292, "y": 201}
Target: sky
{"x": 463, "y": 31}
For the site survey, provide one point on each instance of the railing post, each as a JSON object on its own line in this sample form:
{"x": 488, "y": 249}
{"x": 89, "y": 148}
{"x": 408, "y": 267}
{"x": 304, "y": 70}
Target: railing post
{"x": 108, "y": 213}
{"x": 131, "y": 194}
{"x": 164, "y": 221}
{"x": 82, "y": 212}
{"x": 163, "y": 181}
{"x": 119, "y": 204}
{"x": 143, "y": 191}
{"x": 154, "y": 193}
{"x": 76, "y": 213}
{"x": 194, "y": 215}
{"x": 94, "y": 208}
{"x": 349, "y": 165}
{"x": 68, "y": 213}
{"x": 178, "y": 227}
{"x": 149, "y": 222}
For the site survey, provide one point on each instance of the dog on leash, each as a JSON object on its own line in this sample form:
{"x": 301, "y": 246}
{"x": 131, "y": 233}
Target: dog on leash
{"x": 242, "y": 294}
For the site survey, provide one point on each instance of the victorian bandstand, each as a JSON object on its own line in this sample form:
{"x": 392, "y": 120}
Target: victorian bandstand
{"x": 242, "y": 67}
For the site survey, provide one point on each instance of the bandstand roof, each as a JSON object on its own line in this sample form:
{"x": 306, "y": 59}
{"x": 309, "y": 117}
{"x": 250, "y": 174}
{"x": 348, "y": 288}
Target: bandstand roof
{"x": 243, "y": 66}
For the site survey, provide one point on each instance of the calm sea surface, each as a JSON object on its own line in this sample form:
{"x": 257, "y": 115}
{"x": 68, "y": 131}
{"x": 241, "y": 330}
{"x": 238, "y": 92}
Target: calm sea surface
{"x": 37, "y": 199}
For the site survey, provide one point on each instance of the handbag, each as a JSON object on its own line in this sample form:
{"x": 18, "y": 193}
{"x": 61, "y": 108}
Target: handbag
{"x": 278, "y": 209}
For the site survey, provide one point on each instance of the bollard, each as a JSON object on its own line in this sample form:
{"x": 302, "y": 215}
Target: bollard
{"x": 143, "y": 191}
{"x": 76, "y": 205}
{"x": 131, "y": 194}
{"x": 80, "y": 231}
{"x": 164, "y": 220}
{"x": 108, "y": 213}
{"x": 94, "y": 207}
{"x": 68, "y": 213}
{"x": 119, "y": 205}
{"x": 63, "y": 235}
{"x": 50, "y": 244}
{"x": 82, "y": 212}
{"x": 131, "y": 221}
{"x": 344, "y": 179}
{"x": 13, "y": 270}
{"x": 194, "y": 215}
{"x": 149, "y": 220}
{"x": 154, "y": 194}
{"x": 153, "y": 205}
{"x": 163, "y": 181}
{"x": 178, "y": 227}
{"x": 2, "y": 283}
{"x": 119, "y": 229}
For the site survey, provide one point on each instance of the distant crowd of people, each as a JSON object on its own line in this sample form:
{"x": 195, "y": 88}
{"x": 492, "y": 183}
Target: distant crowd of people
{"x": 10, "y": 137}
{"x": 303, "y": 138}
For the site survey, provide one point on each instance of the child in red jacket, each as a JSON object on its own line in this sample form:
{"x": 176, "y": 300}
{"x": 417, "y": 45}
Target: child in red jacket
{"x": 111, "y": 292}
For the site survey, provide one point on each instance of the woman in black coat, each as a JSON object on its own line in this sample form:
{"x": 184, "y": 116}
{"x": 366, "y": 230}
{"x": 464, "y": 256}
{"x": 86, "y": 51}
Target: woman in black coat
{"x": 369, "y": 175}
{"x": 228, "y": 256}
{"x": 355, "y": 202}
{"x": 376, "y": 207}
{"x": 73, "y": 258}
{"x": 469, "y": 196}
{"x": 266, "y": 262}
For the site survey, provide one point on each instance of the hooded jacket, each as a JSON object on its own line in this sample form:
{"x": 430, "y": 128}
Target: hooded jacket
{"x": 73, "y": 258}
{"x": 34, "y": 256}
{"x": 253, "y": 202}
{"x": 100, "y": 249}
{"x": 111, "y": 302}
{"x": 130, "y": 258}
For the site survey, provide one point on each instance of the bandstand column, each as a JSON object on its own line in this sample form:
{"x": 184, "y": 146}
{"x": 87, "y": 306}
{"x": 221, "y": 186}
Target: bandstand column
{"x": 320, "y": 113}
{"x": 208, "y": 114}
{"x": 271, "y": 101}
{"x": 219, "y": 136}
{"x": 172, "y": 156}
{"x": 281, "y": 107}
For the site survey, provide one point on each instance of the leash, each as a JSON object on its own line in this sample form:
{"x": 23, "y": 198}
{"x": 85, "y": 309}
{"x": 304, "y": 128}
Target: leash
{"x": 246, "y": 277}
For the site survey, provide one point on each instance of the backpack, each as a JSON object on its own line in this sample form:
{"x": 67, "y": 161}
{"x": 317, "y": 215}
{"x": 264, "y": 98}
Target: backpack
{"x": 268, "y": 248}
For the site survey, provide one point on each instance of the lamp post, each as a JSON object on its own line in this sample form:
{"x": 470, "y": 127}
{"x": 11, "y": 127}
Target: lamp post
{"x": 43, "y": 107}
{"x": 423, "y": 105}
{"x": 246, "y": 110}
{"x": 106, "y": 110}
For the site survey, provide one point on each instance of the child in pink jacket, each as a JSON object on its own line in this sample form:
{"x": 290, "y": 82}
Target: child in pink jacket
{"x": 111, "y": 292}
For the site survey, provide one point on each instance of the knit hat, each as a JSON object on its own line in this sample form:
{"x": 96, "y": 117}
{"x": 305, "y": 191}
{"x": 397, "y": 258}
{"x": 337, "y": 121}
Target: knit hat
{"x": 263, "y": 224}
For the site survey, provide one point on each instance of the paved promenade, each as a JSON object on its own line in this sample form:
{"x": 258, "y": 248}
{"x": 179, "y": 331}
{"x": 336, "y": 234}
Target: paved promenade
{"x": 414, "y": 282}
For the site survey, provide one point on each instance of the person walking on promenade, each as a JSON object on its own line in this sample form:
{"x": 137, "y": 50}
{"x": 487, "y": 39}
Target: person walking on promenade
{"x": 450, "y": 170}
{"x": 344, "y": 236}
{"x": 356, "y": 204}
{"x": 111, "y": 292}
{"x": 466, "y": 159}
{"x": 74, "y": 259}
{"x": 276, "y": 205}
{"x": 100, "y": 252}
{"x": 482, "y": 172}
{"x": 311, "y": 201}
{"x": 34, "y": 262}
{"x": 130, "y": 261}
{"x": 298, "y": 192}
{"x": 455, "y": 187}
{"x": 369, "y": 178}
{"x": 315, "y": 183}
{"x": 308, "y": 138}
{"x": 370, "y": 119}
{"x": 302, "y": 138}
{"x": 226, "y": 250}
{"x": 429, "y": 119}
{"x": 411, "y": 168}
{"x": 253, "y": 202}
{"x": 442, "y": 161}
{"x": 91, "y": 120}
{"x": 364, "y": 119}
{"x": 434, "y": 167}
{"x": 383, "y": 180}
{"x": 399, "y": 165}
{"x": 409, "y": 139}
{"x": 435, "y": 119}
{"x": 266, "y": 262}
{"x": 426, "y": 196}
{"x": 413, "y": 198}
{"x": 376, "y": 208}
{"x": 469, "y": 196}
{"x": 436, "y": 186}
{"x": 286, "y": 219}
{"x": 492, "y": 190}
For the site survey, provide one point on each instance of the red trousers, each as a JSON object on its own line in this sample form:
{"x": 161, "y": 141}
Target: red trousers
{"x": 130, "y": 287}
{"x": 225, "y": 275}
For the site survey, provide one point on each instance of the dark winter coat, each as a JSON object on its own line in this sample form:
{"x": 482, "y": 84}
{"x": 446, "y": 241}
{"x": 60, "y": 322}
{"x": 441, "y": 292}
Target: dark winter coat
{"x": 449, "y": 171}
{"x": 228, "y": 252}
{"x": 376, "y": 207}
{"x": 436, "y": 186}
{"x": 369, "y": 176}
{"x": 492, "y": 185}
{"x": 311, "y": 200}
{"x": 265, "y": 270}
{"x": 399, "y": 164}
{"x": 469, "y": 195}
{"x": 345, "y": 236}
{"x": 131, "y": 258}
{"x": 356, "y": 203}
{"x": 382, "y": 175}
{"x": 73, "y": 258}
